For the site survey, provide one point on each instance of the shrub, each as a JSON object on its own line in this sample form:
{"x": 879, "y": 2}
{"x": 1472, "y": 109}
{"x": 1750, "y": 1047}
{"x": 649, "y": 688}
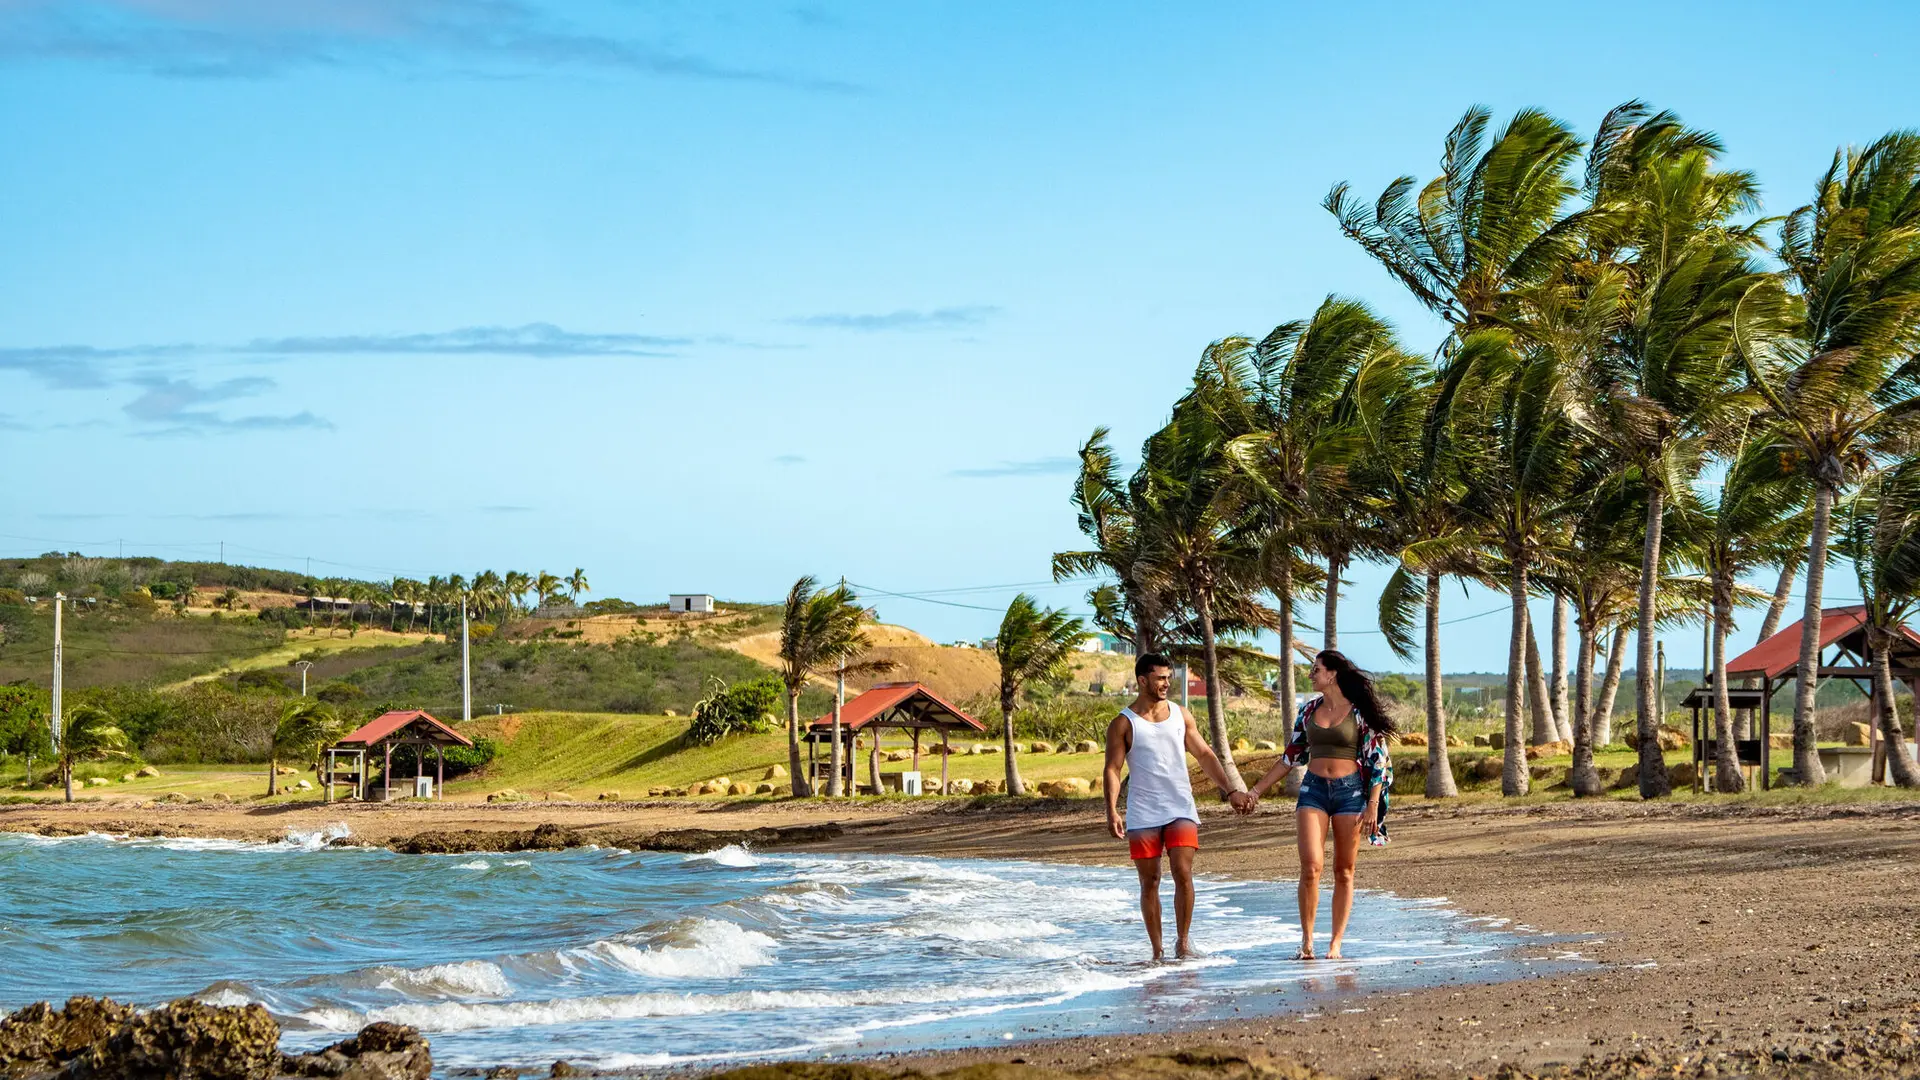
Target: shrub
{"x": 12, "y": 598}
{"x": 612, "y": 605}
{"x": 460, "y": 760}
{"x": 263, "y": 680}
{"x": 340, "y": 693}
{"x": 734, "y": 710}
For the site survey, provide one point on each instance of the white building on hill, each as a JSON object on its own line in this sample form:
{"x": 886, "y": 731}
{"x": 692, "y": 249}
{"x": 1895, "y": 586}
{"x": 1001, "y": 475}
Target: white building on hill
{"x": 690, "y": 603}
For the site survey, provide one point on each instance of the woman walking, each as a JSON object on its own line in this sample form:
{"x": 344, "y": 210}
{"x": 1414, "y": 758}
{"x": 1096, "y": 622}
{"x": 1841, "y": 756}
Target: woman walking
{"x": 1341, "y": 737}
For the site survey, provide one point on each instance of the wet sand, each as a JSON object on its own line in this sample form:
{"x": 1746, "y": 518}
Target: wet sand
{"x": 1765, "y": 933}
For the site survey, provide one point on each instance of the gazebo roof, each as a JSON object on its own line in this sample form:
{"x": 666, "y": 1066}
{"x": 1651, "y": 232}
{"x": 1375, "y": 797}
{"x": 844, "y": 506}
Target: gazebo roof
{"x": 908, "y": 704}
{"x": 1844, "y": 626}
{"x": 414, "y": 723}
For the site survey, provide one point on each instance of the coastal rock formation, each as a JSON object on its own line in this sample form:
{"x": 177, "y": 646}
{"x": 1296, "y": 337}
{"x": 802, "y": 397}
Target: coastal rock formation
{"x": 381, "y": 1051}
{"x": 550, "y": 837}
{"x": 100, "y": 1039}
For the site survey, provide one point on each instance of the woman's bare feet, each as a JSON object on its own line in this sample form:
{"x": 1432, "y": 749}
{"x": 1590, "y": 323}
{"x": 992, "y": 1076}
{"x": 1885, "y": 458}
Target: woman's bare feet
{"x": 1333, "y": 952}
{"x": 1305, "y": 953}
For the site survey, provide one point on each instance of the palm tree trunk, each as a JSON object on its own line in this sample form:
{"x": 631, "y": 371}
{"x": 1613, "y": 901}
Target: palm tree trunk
{"x": 1539, "y": 700}
{"x": 1653, "y": 766}
{"x": 66, "y": 776}
{"x": 1513, "y": 776}
{"x": 1557, "y": 681}
{"x": 1336, "y": 562}
{"x": 1440, "y": 783}
{"x": 1283, "y": 595}
{"x": 1216, "y": 709}
{"x": 1807, "y": 770}
{"x": 802, "y": 784}
{"x": 1602, "y": 719}
{"x": 1726, "y": 755}
{"x": 1880, "y": 648}
{"x": 273, "y": 775}
{"x": 1782, "y": 592}
{"x": 1014, "y": 786}
{"x": 1582, "y": 778}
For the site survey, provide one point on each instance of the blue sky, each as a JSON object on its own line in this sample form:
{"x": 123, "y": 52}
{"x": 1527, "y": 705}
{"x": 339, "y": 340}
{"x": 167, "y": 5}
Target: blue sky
{"x": 705, "y": 296}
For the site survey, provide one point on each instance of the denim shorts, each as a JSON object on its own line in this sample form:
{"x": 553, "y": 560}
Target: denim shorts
{"x": 1347, "y": 795}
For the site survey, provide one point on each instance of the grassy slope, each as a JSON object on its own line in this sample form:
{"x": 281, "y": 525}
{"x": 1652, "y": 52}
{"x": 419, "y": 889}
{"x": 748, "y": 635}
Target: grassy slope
{"x": 115, "y": 646}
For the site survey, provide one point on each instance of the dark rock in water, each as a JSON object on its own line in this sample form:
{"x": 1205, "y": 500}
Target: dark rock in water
{"x": 99, "y": 1039}
{"x": 563, "y": 1069}
{"x": 45, "y": 1038}
{"x": 381, "y": 1051}
{"x": 550, "y": 837}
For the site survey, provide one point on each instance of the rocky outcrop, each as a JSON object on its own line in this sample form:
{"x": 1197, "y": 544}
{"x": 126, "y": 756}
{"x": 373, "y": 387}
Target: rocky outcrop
{"x": 99, "y": 1039}
{"x": 550, "y": 837}
{"x": 381, "y": 1051}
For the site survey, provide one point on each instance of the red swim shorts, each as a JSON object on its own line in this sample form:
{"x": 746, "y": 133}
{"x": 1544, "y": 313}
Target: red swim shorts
{"x": 1152, "y": 843}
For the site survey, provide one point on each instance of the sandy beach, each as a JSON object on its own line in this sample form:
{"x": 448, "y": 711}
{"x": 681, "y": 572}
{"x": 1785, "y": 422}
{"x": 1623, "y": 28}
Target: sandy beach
{"x": 1771, "y": 934}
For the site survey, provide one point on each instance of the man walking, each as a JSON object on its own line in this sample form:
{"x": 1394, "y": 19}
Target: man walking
{"x": 1152, "y": 738}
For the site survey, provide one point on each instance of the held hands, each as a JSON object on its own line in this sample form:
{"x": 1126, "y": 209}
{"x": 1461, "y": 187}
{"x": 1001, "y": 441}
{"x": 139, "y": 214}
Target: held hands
{"x": 1243, "y": 802}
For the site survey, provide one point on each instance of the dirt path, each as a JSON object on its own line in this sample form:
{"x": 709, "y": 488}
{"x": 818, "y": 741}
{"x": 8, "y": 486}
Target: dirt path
{"x": 1714, "y": 928}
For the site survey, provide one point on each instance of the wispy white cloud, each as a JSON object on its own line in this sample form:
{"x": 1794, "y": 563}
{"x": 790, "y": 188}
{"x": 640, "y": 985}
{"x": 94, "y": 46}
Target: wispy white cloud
{"x": 176, "y": 407}
{"x": 946, "y": 318}
{"x": 532, "y": 339}
{"x": 263, "y": 38}
{"x": 1047, "y": 466}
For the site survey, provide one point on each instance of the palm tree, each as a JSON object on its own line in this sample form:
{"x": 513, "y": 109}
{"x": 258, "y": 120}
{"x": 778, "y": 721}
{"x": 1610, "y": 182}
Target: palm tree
{"x": 1842, "y": 382}
{"x": 1667, "y": 393}
{"x": 1510, "y": 419}
{"x": 1880, "y": 535}
{"x": 1108, "y": 513}
{"x": 437, "y": 593}
{"x": 820, "y": 632}
{"x": 1033, "y": 643}
{"x": 1757, "y": 519}
{"x": 576, "y": 584}
{"x": 488, "y": 592}
{"x": 516, "y": 585}
{"x": 90, "y": 734}
{"x": 1201, "y": 535}
{"x": 306, "y": 726}
{"x": 333, "y": 588}
{"x": 547, "y": 586}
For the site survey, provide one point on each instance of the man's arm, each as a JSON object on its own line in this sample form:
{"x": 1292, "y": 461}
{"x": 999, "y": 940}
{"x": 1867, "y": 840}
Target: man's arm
{"x": 1210, "y": 763}
{"x": 1116, "y": 757}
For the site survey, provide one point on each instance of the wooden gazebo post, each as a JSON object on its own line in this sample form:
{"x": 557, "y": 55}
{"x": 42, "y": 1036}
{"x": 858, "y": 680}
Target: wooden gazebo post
{"x": 946, "y": 752}
{"x": 386, "y": 772}
{"x": 916, "y": 749}
{"x": 439, "y": 771}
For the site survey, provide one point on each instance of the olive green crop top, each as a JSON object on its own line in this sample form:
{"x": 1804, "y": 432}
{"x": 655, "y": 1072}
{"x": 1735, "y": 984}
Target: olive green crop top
{"x": 1341, "y": 742}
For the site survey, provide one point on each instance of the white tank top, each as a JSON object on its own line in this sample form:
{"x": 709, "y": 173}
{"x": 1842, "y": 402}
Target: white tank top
{"x": 1158, "y": 790}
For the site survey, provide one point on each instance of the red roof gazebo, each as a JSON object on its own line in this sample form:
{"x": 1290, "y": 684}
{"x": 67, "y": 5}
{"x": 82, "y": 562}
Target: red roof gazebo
{"x": 907, "y": 705}
{"x": 407, "y": 727}
{"x": 1773, "y": 663}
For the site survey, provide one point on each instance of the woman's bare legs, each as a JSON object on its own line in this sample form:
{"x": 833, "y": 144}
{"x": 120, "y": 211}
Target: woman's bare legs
{"x": 1311, "y": 827}
{"x": 1346, "y": 851}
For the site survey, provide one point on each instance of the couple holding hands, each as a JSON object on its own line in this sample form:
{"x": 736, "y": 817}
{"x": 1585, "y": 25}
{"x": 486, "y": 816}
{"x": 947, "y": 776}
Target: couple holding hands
{"x": 1341, "y": 737}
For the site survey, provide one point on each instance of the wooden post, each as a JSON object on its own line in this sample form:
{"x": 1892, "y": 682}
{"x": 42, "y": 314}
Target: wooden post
{"x": 439, "y": 772}
{"x": 1879, "y": 773}
{"x": 386, "y": 773}
{"x": 328, "y": 779}
{"x": 946, "y": 752}
{"x": 1766, "y": 733}
{"x": 916, "y": 749}
{"x": 419, "y": 765}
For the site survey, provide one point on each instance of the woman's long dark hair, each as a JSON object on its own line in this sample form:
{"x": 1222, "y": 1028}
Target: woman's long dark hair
{"x": 1357, "y": 687}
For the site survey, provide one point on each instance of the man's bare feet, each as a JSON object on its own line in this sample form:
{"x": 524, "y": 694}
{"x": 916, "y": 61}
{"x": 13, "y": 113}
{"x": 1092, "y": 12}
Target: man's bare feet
{"x": 1186, "y": 951}
{"x": 1305, "y": 953}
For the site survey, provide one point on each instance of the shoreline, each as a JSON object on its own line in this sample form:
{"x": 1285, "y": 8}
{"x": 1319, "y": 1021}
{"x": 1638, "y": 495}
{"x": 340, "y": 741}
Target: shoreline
{"x": 1763, "y": 932}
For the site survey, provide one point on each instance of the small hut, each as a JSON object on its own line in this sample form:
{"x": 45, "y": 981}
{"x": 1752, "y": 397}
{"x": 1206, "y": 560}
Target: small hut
{"x": 1774, "y": 664}
{"x": 410, "y": 727}
{"x": 910, "y": 706}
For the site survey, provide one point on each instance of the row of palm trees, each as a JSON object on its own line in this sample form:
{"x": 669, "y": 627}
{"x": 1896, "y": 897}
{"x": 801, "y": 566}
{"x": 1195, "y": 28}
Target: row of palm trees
{"x": 823, "y": 636}
{"x": 1644, "y": 396}
{"x": 487, "y": 595}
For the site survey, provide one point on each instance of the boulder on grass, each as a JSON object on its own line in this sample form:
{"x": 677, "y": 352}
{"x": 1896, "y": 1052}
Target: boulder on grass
{"x": 1266, "y": 744}
{"x": 1488, "y": 768}
{"x": 989, "y": 748}
{"x": 98, "y": 781}
{"x": 988, "y": 787}
{"x": 739, "y": 788}
{"x": 960, "y": 787}
{"x": 1456, "y": 742}
{"x": 1087, "y": 746}
{"x": 1857, "y": 734}
{"x": 557, "y": 796}
{"x": 1548, "y": 749}
{"x": 1627, "y": 778}
{"x": 1413, "y": 738}
{"x": 146, "y": 770}
{"x": 1040, "y": 747}
{"x": 1483, "y": 740}
{"x": 1242, "y": 746}
{"x": 777, "y": 772}
{"x": 304, "y": 785}
{"x": 1682, "y": 774}
{"x": 608, "y": 796}
{"x": 286, "y": 770}
{"x": 129, "y": 778}
{"x": 1497, "y": 740}
{"x": 763, "y": 788}
{"x": 506, "y": 795}
{"x": 1670, "y": 737}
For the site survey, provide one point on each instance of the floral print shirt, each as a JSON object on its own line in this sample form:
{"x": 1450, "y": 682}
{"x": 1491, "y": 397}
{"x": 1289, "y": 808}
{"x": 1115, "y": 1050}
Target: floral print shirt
{"x": 1376, "y": 763}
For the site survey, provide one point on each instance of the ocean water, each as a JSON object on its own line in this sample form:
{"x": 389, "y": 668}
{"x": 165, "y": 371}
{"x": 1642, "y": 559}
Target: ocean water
{"x": 644, "y": 959}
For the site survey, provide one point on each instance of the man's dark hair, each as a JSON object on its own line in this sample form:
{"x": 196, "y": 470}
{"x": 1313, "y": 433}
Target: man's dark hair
{"x": 1149, "y": 661}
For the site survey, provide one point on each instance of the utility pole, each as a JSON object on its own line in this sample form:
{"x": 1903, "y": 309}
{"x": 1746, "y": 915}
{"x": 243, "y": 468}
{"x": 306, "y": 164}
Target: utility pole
{"x": 839, "y": 702}
{"x": 303, "y": 665}
{"x": 466, "y": 666}
{"x": 58, "y": 600}
{"x": 223, "y": 551}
